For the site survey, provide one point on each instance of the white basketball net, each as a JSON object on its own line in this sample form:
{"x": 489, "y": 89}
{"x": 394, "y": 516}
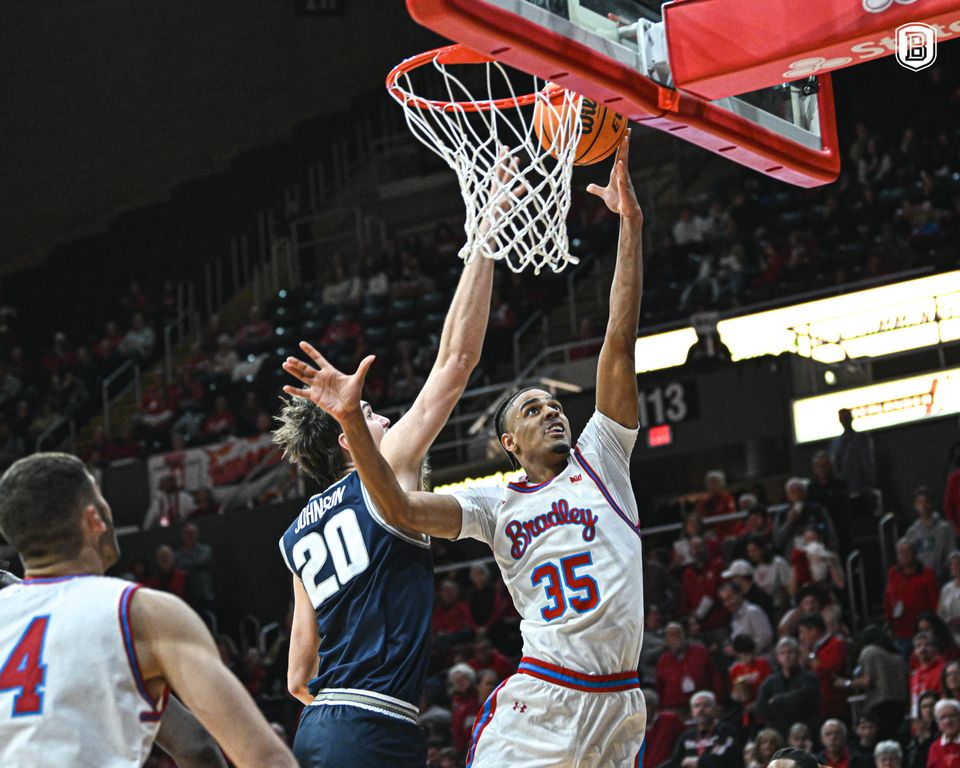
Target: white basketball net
{"x": 478, "y": 136}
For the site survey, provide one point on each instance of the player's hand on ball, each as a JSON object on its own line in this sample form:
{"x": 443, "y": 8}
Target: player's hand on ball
{"x": 335, "y": 392}
{"x": 618, "y": 194}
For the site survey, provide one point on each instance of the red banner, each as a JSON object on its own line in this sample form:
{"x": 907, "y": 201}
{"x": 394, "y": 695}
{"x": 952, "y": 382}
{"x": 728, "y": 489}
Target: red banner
{"x": 720, "y": 48}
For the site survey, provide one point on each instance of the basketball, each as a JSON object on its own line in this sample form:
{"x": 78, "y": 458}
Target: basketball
{"x": 602, "y": 128}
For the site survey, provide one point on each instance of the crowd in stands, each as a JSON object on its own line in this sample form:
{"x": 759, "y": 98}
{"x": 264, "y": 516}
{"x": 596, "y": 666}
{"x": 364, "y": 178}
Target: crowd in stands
{"x": 43, "y": 383}
{"x": 896, "y": 207}
{"x": 748, "y": 643}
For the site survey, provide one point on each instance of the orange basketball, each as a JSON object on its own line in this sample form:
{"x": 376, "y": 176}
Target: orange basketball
{"x": 602, "y": 128}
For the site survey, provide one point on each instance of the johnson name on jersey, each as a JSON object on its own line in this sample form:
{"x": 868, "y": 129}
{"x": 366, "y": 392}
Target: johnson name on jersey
{"x": 371, "y": 586}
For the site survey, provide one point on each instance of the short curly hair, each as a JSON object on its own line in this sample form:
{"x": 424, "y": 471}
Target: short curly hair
{"x": 42, "y": 498}
{"x": 309, "y": 437}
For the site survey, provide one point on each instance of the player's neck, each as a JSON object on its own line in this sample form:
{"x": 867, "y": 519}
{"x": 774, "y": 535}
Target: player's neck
{"x": 86, "y": 562}
{"x": 540, "y": 473}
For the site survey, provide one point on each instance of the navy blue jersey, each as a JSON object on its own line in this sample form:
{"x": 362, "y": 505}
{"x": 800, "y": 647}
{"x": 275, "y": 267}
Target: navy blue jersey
{"x": 371, "y": 586}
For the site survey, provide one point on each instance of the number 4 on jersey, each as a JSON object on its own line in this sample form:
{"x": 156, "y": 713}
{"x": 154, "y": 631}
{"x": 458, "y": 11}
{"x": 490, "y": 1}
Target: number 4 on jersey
{"x": 25, "y": 671}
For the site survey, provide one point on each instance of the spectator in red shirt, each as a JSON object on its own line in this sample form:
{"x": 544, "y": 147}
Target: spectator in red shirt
{"x": 927, "y": 675}
{"x": 221, "y": 422}
{"x": 461, "y": 681}
{"x": 169, "y": 578}
{"x": 485, "y": 656}
{"x": 684, "y": 667}
{"x": 698, "y": 593}
{"x": 451, "y": 615}
{"x": 487, "y": 603}
{"x": 911, "y": 589}
{"x": 826, "y": 657}
{"x": 746, "y": 675}
{"x": 682, "y": 554}
{"x": 945, "y": 751}
{"x": 833, "y": 735}
{"x": 663, "y": 730}
{"x": 718, "y": 501}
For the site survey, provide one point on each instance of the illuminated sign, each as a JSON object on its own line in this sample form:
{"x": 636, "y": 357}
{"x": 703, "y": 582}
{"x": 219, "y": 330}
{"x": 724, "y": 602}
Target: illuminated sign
{"x": 661, "y": 435}
{"x": 887, "y": 404}
{"x": 497, "y": 478}
{"x": 878, "y": 321}
{"x": 664, "y": 350}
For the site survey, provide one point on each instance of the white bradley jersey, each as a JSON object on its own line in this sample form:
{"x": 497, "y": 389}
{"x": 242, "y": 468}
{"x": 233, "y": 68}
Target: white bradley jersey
{"x": 71, "y": 693}
{"x": 569, "y": 552}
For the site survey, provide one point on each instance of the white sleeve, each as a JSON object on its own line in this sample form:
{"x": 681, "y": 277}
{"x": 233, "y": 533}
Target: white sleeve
{"x": 605, "y": 447}
{"x": 603, "y": 437}
{"x": 478, "y": 507}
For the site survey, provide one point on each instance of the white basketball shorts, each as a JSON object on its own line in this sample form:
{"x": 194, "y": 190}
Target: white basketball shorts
{"x": 546, "y": 716}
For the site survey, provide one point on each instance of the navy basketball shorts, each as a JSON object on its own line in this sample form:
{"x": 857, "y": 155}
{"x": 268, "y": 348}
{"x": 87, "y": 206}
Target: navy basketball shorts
{"x": 342, "y": 736}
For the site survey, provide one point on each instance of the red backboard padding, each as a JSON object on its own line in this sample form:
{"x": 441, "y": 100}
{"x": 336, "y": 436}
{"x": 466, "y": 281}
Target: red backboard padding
{"x": 720, "y": 48}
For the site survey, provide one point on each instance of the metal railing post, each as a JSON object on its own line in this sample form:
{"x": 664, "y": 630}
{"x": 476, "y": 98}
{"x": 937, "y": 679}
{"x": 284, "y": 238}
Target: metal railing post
{"x": 218, "y": 270}
{"x": 208, "y": 284}
{"x": 888, "y": 520}
{"x": 572, "y": 303}
{"x": 852, "y": 558}
{"x": 235, "y": 262}
{"x": 105, "y": 402}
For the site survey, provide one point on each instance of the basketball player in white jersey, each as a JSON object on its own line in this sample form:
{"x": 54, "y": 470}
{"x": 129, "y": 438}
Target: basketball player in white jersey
{"x": 87, "y": 662}
{"x": 180, "y": 735}
{"x": 566, "y": 539}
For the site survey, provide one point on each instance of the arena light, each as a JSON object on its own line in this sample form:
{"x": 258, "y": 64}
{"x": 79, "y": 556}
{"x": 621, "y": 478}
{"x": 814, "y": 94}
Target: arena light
{"x": 496, "y": 479}
{"x": 875, "y": 406}
{"x": 557, "y": 384}
{"x": 878, "y": 321}
{"x": 664, "y": 350}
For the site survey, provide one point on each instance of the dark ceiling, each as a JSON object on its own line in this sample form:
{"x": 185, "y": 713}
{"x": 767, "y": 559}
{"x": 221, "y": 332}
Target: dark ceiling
{"x": 106, "y": 105}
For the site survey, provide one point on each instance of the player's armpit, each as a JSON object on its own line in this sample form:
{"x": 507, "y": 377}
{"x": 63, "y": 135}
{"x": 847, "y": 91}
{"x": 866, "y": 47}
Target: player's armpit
{"x": 434, "y": 514}
{"x": 183, "y": 738}
{"x": 174, "y": 646}
{"x": 304, "y": 644}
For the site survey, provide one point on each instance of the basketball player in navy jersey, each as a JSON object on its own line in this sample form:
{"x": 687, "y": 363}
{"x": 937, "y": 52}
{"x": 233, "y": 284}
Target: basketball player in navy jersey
{"x": 566, "y": 538}
{"x": 87, "y": 662}
{"x": 363, "y": 588}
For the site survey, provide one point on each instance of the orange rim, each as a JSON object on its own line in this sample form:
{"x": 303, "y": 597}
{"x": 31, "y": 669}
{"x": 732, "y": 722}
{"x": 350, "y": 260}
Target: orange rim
{"x": 453, "y": 54}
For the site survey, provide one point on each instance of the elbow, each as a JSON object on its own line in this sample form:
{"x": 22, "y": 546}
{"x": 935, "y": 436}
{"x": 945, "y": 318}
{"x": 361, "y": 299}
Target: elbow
{"x": 460, "y": 362}
{"x": 297, "y": 686}
{"x": 399, "y": 513}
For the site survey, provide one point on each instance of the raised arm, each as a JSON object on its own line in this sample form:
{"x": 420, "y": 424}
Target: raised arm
{"x": 339, "y": 395}
{"x": 461, "y": 342}
{"x": 616, "y": 368}
{"x": 174, "y": 647}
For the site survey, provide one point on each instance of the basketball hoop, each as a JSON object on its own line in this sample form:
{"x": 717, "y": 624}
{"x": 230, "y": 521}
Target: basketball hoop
{"x": 478, "y": 133}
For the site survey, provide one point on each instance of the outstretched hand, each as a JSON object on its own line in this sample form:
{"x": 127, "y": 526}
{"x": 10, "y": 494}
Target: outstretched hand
{"x": 336, "y": 393}
{"x": 618, "y": 194}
